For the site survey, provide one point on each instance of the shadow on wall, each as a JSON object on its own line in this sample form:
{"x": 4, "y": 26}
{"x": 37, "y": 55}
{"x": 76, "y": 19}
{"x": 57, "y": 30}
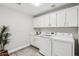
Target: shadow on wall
{"x": 76, "y": 47}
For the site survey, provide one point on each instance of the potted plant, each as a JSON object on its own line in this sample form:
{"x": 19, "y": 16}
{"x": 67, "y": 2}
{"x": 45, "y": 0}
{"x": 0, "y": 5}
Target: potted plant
{"x": 4, "y": 40}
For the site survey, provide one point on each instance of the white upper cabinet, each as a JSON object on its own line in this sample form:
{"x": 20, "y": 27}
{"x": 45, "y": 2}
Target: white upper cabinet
{"x": 45, "y": 20}
{"x": 71, "y": 17}
{"x": 35, "y": 22}
{"x": 52, "y": 20}
{"x": 41, "y": 21}
{"x": 61, "y": 18}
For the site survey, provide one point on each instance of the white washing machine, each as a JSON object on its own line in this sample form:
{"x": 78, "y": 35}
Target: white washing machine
{"x": 63, "y": 44}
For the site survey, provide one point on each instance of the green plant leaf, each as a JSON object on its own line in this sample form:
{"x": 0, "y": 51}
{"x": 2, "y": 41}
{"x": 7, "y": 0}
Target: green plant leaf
{"x": 4, "y": 36}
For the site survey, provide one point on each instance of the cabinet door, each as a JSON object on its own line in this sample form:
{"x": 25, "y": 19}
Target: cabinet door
{"x": 44, "y": 21}
{"x": 36, "y": 42}
{"x": 45, "y": 46}
{"x": 61, "y": 18}
{"x": 40, "y": 21}
{"x": 71, "y": 17}
{"x": 52, "y": 20}
{"x": 61, "y": 48}
{"x": 36, "y": 22}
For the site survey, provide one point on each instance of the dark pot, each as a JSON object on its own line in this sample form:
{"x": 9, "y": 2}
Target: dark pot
{"x": 4, "y": 53}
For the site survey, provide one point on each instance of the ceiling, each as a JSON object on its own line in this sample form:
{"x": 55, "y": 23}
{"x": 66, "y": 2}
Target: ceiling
{"x": 30, "y": 9}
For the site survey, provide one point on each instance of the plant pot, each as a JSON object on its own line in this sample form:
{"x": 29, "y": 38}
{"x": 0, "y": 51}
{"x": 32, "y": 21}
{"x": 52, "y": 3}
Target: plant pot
{"x": 4, "y": 53}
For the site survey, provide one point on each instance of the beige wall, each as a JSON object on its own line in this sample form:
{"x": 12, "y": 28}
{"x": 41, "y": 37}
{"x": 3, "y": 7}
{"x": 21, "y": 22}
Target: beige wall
{"x": 20, "y": 27}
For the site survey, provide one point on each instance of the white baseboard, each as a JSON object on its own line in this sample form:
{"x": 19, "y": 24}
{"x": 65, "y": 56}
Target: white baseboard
{"x": 16, "y": 49}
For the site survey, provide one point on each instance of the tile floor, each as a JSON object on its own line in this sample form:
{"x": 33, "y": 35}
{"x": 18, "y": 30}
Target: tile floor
{"x": 29, "y": 51}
